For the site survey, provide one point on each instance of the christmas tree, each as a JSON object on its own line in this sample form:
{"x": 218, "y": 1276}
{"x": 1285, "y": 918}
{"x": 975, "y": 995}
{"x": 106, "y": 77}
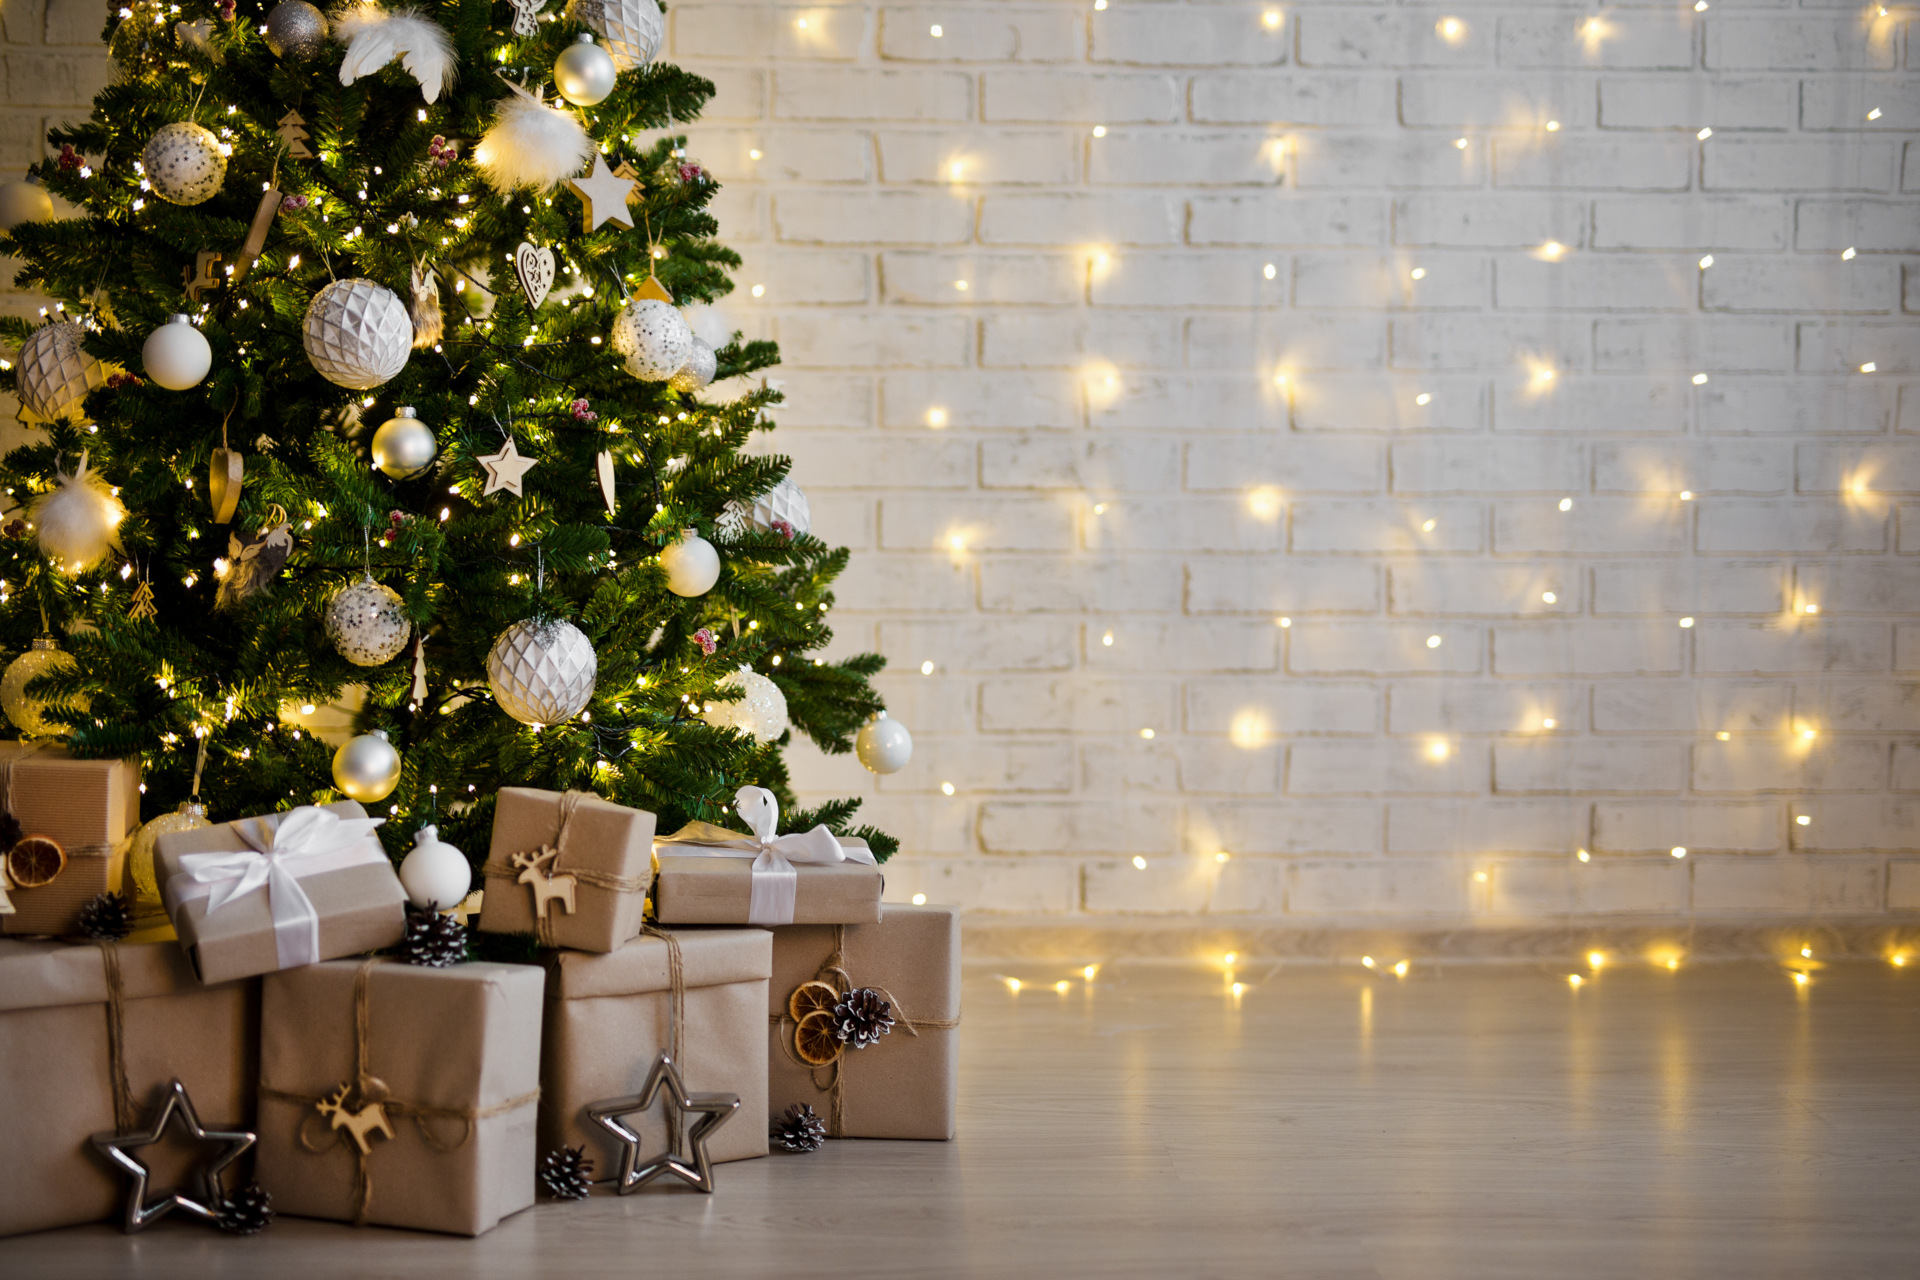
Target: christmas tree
{"x": 464, "y": 244}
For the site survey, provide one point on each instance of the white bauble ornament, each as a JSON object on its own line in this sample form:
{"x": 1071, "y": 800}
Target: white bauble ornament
{"x": 632, "y": 29}
{"x": 784, "y": 503}
{"x": 28, "y": 713}
{"x": 23, "y": 201}
{"x": 365, "y": 624}
{"x": 531, "y": 144}
{"x": 652, "y": 338}
{"x": 367, "y": 767}
{"x": 184, "y": 163}
{"x": 146, "y": 887}
{"x": 692, "y": 565}
{"x": 296, "y": 29}
{"x": 77, "y": 521}
{"x": 55, "y": 374}
{"x": 358, "y": 333}
{"x": 542, "y": 671}
{"x": 761, "y": 712}
{"x": 584, "y": 72}
{"x": 883, "y": 745}
{"x": 699, "y": 369}
{"x": 434, "y": 872}
{"x": 177, "y": 355}
{"x": 403, "y": 446}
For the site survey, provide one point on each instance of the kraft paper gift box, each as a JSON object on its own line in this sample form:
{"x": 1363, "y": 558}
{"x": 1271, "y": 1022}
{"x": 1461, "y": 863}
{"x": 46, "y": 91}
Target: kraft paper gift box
{"x": 400, "y": 1096}
{"x": 609, "y": 1016}
{"x": 90, "y": 808}
{"x": 62, "y": 1008}
{"x": 568, "y": 867}
{"x": 903, "y": 1085}
{"x": 710, "y": 875}
{"x": 280, "y": 890}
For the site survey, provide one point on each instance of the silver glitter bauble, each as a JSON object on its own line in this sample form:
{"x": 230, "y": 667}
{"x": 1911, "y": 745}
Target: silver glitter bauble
{"x": 358, "y": 333}
{"x": 761, "y": 712}
{"x": 784, "y": 503}
{"x": 55, "y": 374}
{"x": 27, "y": 713}
{"x": 584, "y": 72}
{"x": 296, "y": 29}
{"x": 189, "y": 816}
{"x": 542, "y": 671}
{"x": 652, "y": 338}
{"x": 631, "y": 29}
{"x": 883, "y": 745}
{"x": 367, "y": 767}
{"x": 365, "y": 624}
{"x": 183, "y": 163}
{"x": 699, "y": 369}
{"x": 403, "y": 446}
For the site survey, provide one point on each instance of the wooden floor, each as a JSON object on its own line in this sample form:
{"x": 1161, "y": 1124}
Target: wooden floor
{"x": 1475, "y": 1121}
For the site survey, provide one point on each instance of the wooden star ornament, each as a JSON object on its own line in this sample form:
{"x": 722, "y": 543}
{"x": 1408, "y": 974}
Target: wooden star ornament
{"x": 714, "y": 1110}
{"x": 603, "y": 194}
{"x": 205, "y": 1179}
{"x": 506, "y": 469}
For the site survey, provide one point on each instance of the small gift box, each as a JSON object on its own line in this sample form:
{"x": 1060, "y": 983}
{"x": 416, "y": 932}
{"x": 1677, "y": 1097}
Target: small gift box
{"x": 710, "y": 875}
{"x": 569, "y": 867}
{"x": 401, "y": 1096}
{"x": 280, "y": 890}
{"x": 865, "y": 1022}
{"x": 609, "y": 1016}
{"x": 89, "y": 808}
{"x": 89, "y": 1035}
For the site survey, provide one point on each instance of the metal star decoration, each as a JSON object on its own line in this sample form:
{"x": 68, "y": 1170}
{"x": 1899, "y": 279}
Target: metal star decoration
{"x": 506, "y": 469}
{"x": 604, "y": 195}
{"x": 714, "y": 1110}
{"x": 205, "y": 1200}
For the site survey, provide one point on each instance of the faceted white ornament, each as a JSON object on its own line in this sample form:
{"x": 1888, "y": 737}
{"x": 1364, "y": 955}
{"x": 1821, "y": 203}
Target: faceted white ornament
{"x": 883, "y": 745}
{"x": 358, "y": 333}
{"x": 434, "y": 872}
{"x": 653, "y": 338}
{"x": 183, "y": 162}
{"x": 761, "y": 712}
{"x": 784, "y": 502}
{"x": 698, "y": 371}
{"x": 365, "y": 624}
{"x": 542, "y": 671}
{"x": 55, "y": 374}
{"x": 631, "y": 29}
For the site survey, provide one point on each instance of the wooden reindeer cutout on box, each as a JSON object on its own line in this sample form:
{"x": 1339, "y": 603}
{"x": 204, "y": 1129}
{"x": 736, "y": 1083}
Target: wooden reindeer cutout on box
{"x": 369, "y": 1119}
{"x": 536, "y": 869}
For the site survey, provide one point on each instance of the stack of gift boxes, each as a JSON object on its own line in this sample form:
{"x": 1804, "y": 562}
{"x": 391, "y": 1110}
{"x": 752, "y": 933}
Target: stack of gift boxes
{"x": 747, "y": 965}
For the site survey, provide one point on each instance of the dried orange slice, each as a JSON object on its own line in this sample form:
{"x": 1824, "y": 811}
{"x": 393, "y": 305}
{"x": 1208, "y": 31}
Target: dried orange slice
{"x": 811, "y": 997}
{"x": 35, "y": 861}
{"x": 813, "y": 1040}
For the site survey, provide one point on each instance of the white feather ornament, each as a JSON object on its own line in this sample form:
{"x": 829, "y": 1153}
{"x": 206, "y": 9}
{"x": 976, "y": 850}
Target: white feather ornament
{"x": 77, "y": 519}
{"x": 375, "y": 36}
{"x": 531, "y": 144}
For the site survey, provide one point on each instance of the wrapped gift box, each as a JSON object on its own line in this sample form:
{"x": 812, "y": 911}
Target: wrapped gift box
{"x": 609, "y": 1016}
{"x": 695, "y": 889}
{"x": 90, "y": 808}
{"x": 903, "y": 1085}
{"x": 56, "y": 1072}
{"x": 453, "y": 1057}
{"x": 553, "y": 851}
{"x": 353, "y": 901}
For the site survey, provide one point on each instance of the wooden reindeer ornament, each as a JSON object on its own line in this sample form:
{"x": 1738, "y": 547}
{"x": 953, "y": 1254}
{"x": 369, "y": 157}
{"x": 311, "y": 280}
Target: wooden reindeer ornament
{"x": 536, "y": 869}
{"x": 359, "y": 1123}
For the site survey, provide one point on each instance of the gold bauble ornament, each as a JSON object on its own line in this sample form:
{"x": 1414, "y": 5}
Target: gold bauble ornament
{"x": 146, "y": 888}
{"x": 28, "y": 714}
{"x": 367, "y": 768}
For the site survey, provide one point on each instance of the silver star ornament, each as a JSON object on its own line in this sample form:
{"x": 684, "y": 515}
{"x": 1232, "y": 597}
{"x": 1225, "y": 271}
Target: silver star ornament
{"x": 204, "y": 1200}
{"x": 714, "y": 1110}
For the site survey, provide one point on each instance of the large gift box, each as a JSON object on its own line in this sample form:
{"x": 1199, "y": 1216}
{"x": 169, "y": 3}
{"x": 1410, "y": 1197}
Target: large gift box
{"x": 902, "y": 1084}
{"x": 89, "y": 1037}
{"x": 609, "y": 1016}
{"x": 280, "y": 890}
{"x": 569, "y": 867}
{"x": 90, "y": 808}
{"x": 400, "y": 1095}
{"x": 710, "y": 875}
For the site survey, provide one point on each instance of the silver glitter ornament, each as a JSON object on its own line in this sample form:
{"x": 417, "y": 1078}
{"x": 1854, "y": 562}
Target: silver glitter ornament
{"x": 55, "y": 374}
{"x": 358, "y": 333}
{"x": 782, "y": 504}
{"x": 542, "y": 671}
{"x": 365, "y": 624}
{"x": 652, "y": 338}
{"x": 699, "y": 369}
{"x": 184, "y": 163}
{"x": 631, "y": 29}
{"x": 761, "y": 712}
{"x": 29, "y": 713}
{"x": 296, "y": 29}
{"x": 403, "y": 446}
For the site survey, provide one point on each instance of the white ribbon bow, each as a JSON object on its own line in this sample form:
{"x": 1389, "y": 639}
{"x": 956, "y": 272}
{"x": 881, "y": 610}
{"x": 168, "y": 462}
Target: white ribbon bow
{"x": 775, "y": 879}
{"x": 285, "y": 846}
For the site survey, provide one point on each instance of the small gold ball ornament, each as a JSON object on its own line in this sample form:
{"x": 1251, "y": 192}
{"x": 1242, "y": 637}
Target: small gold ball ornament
{"x": 27, "y": 713}
{"x": 403, "y": 446}
{"x": 367, "y": 768}
{"x": 146, "y": 887}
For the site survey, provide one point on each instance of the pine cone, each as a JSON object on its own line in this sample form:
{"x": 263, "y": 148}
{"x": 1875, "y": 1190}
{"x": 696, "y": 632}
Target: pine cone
{"x": 107, "y": 917}
{"x": 861, "y": 1018}
{"x": 432, "y": 939}
{"x": 245, "y": 1212}
{"x": 800, "y": 1129}
{"x": 567, "y": 1173}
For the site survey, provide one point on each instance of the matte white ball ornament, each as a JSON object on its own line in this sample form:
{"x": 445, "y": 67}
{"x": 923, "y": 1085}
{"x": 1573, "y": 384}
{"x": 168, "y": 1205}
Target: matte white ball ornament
{"x": 177, "y": 355}
{"x": 761, "y": 712}
{"x": 367, "y": 767}
{"x": 652, "y": 338}
{"x": 883, "y": 745}
{"x": 365, "y": 624}
{"x": 692, "y": 565}
{"x": 542, "y": 671}
{"x": 699, "y": 369}
{"x": 584, "y": 72}
{"x": 27, "y": 713}
{"x": 632, "y": 28}
{"x": 785, "y": 503}
{"x": 435, "y": 873}
{"x": 55, "y": 373}
{"x": 184, "y": 163}
{"x": 403, "y": 446}
{"x": 23, "y": 201}
{"x": 358, "y": 333}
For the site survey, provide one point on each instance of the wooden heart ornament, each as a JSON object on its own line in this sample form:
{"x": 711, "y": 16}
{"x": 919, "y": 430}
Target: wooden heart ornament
{"x": 535, "y": 269}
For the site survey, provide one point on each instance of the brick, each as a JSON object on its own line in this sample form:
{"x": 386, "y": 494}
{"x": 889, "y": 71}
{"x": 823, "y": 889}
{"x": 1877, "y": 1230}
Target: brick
{"x": 741, "y": 31}
{"x": 1472, "y": 465}
{"x": 1153, "y": 36}
{"x": 1255, "y": 712}
{"x": 1075, "y": 704}
{"x": 1351, "y": 281}
{"x": 820, "y": 399}
{"x": 1308, "y": 343}
{"x": 1844, "y": 104}
{"x": 1555, "y": 767}
{"x": 924, "y": 824}
{"x": 1860, "y": 706}
{"x": 1642, "y": 164}
{"x": 1587, "y": 648}
{"x": 1710, "y": 345}
{"x": 1127, "y": 465}
{"x": 1768, "y": 164}
{"x": 1859, "y": 586}
{"x": 1163, "y": 158}
{"x": 1184, "y": 645}
{"x": 985, "y": 157}
{"x": 1749, "y": 525}
{"x": 815, "y": 155}
{"x": 1286, "y": 220}
{"x": 1803, "y": 645}
{"x": 1161, "y": 403}
{"x": 1659, "y": 826}
{"x": 1187, "y": 524}
{"x": 1399, "y": 888}
{"x": 1391, "y": 402}
{"x": 969, "y": 399}
{"x": 1480, "y": 827}
{"x": 1488, "y": 221}
{"x": 1394, "y": 160}
{"x": 1229, "y": 768}
{"x": 884, "y": 217}
{"x": 1710, "y": 466}
{"x": 1690, "y": 222}
{"x": 1186, "y": 279}
{"x": 740, "y": 94}
{"x": 986, "y": 764}
{"x": 1250, "y": 886}
{"x": 986, "y": 644}
{"x": 1294, "y": 585}
{"x": 1383, "y": 648}
{"x": 1158, "y": 889}
{"x": 1289, "y": 827}
{"x": 1789, "y": 764}
{"x": 927, "y": 522}
{"x": 1593, "y": 406}
{"x": 1906, "y": 647}
{"x": 1436, "y": 707}
{"x": 1870, "y": 226}
{"x": 1843, "y": 347}
{"x": 1501, "y": 100}
{"x": 1906, "y": 767}
{"x": 1382, "y": 526}
{"x": 1774, "y": 43}
{"x": 1788, "y": 884}
{"x": 1691, "y": 102}
{"x": 935, "y": 703}
{"x": 1047, "y": 97}
{"x": 1078, "y": 219}
{"x": 1797, "y": 406}
{"x": 929, "y": 279}
{"x": 799, "y": 277}
{"x": 1858, "y": 823}
{"x": 860, "y": 460}
{"x": 1392, "y": 768}
{"x": 1761, "y": 284}
{"x": 1048, "y": 585}
{"x": 1604, "y": 887}
{"x": 1596, "y": 283}
{"x": 1903, "y": 885}
{"x": 1244, "y": 463}
{"x": 1678, "y": 588}
{"x": 866, "y": 339}
{"x": 1392, "y": 39}
{"x": 1265, "y": 98}
{"x": 997, "y": 34}
{"x": 1040, "y": 826}
{"x": 1641, "y": 41}
{"x": 1551, "y": 344}
{"x": 1033, "y": 341}
{"x": 804, "y": 93}
{"x": 1670, "y": 706}
{"x": 1140, "y": 765}
{"x": 1025, "y": 886}
{"x": 1875, "y": 468}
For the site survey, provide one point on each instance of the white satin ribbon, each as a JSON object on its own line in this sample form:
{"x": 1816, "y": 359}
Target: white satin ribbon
{"x": 284, "y": 847}
{"x": 775, "y": 878}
